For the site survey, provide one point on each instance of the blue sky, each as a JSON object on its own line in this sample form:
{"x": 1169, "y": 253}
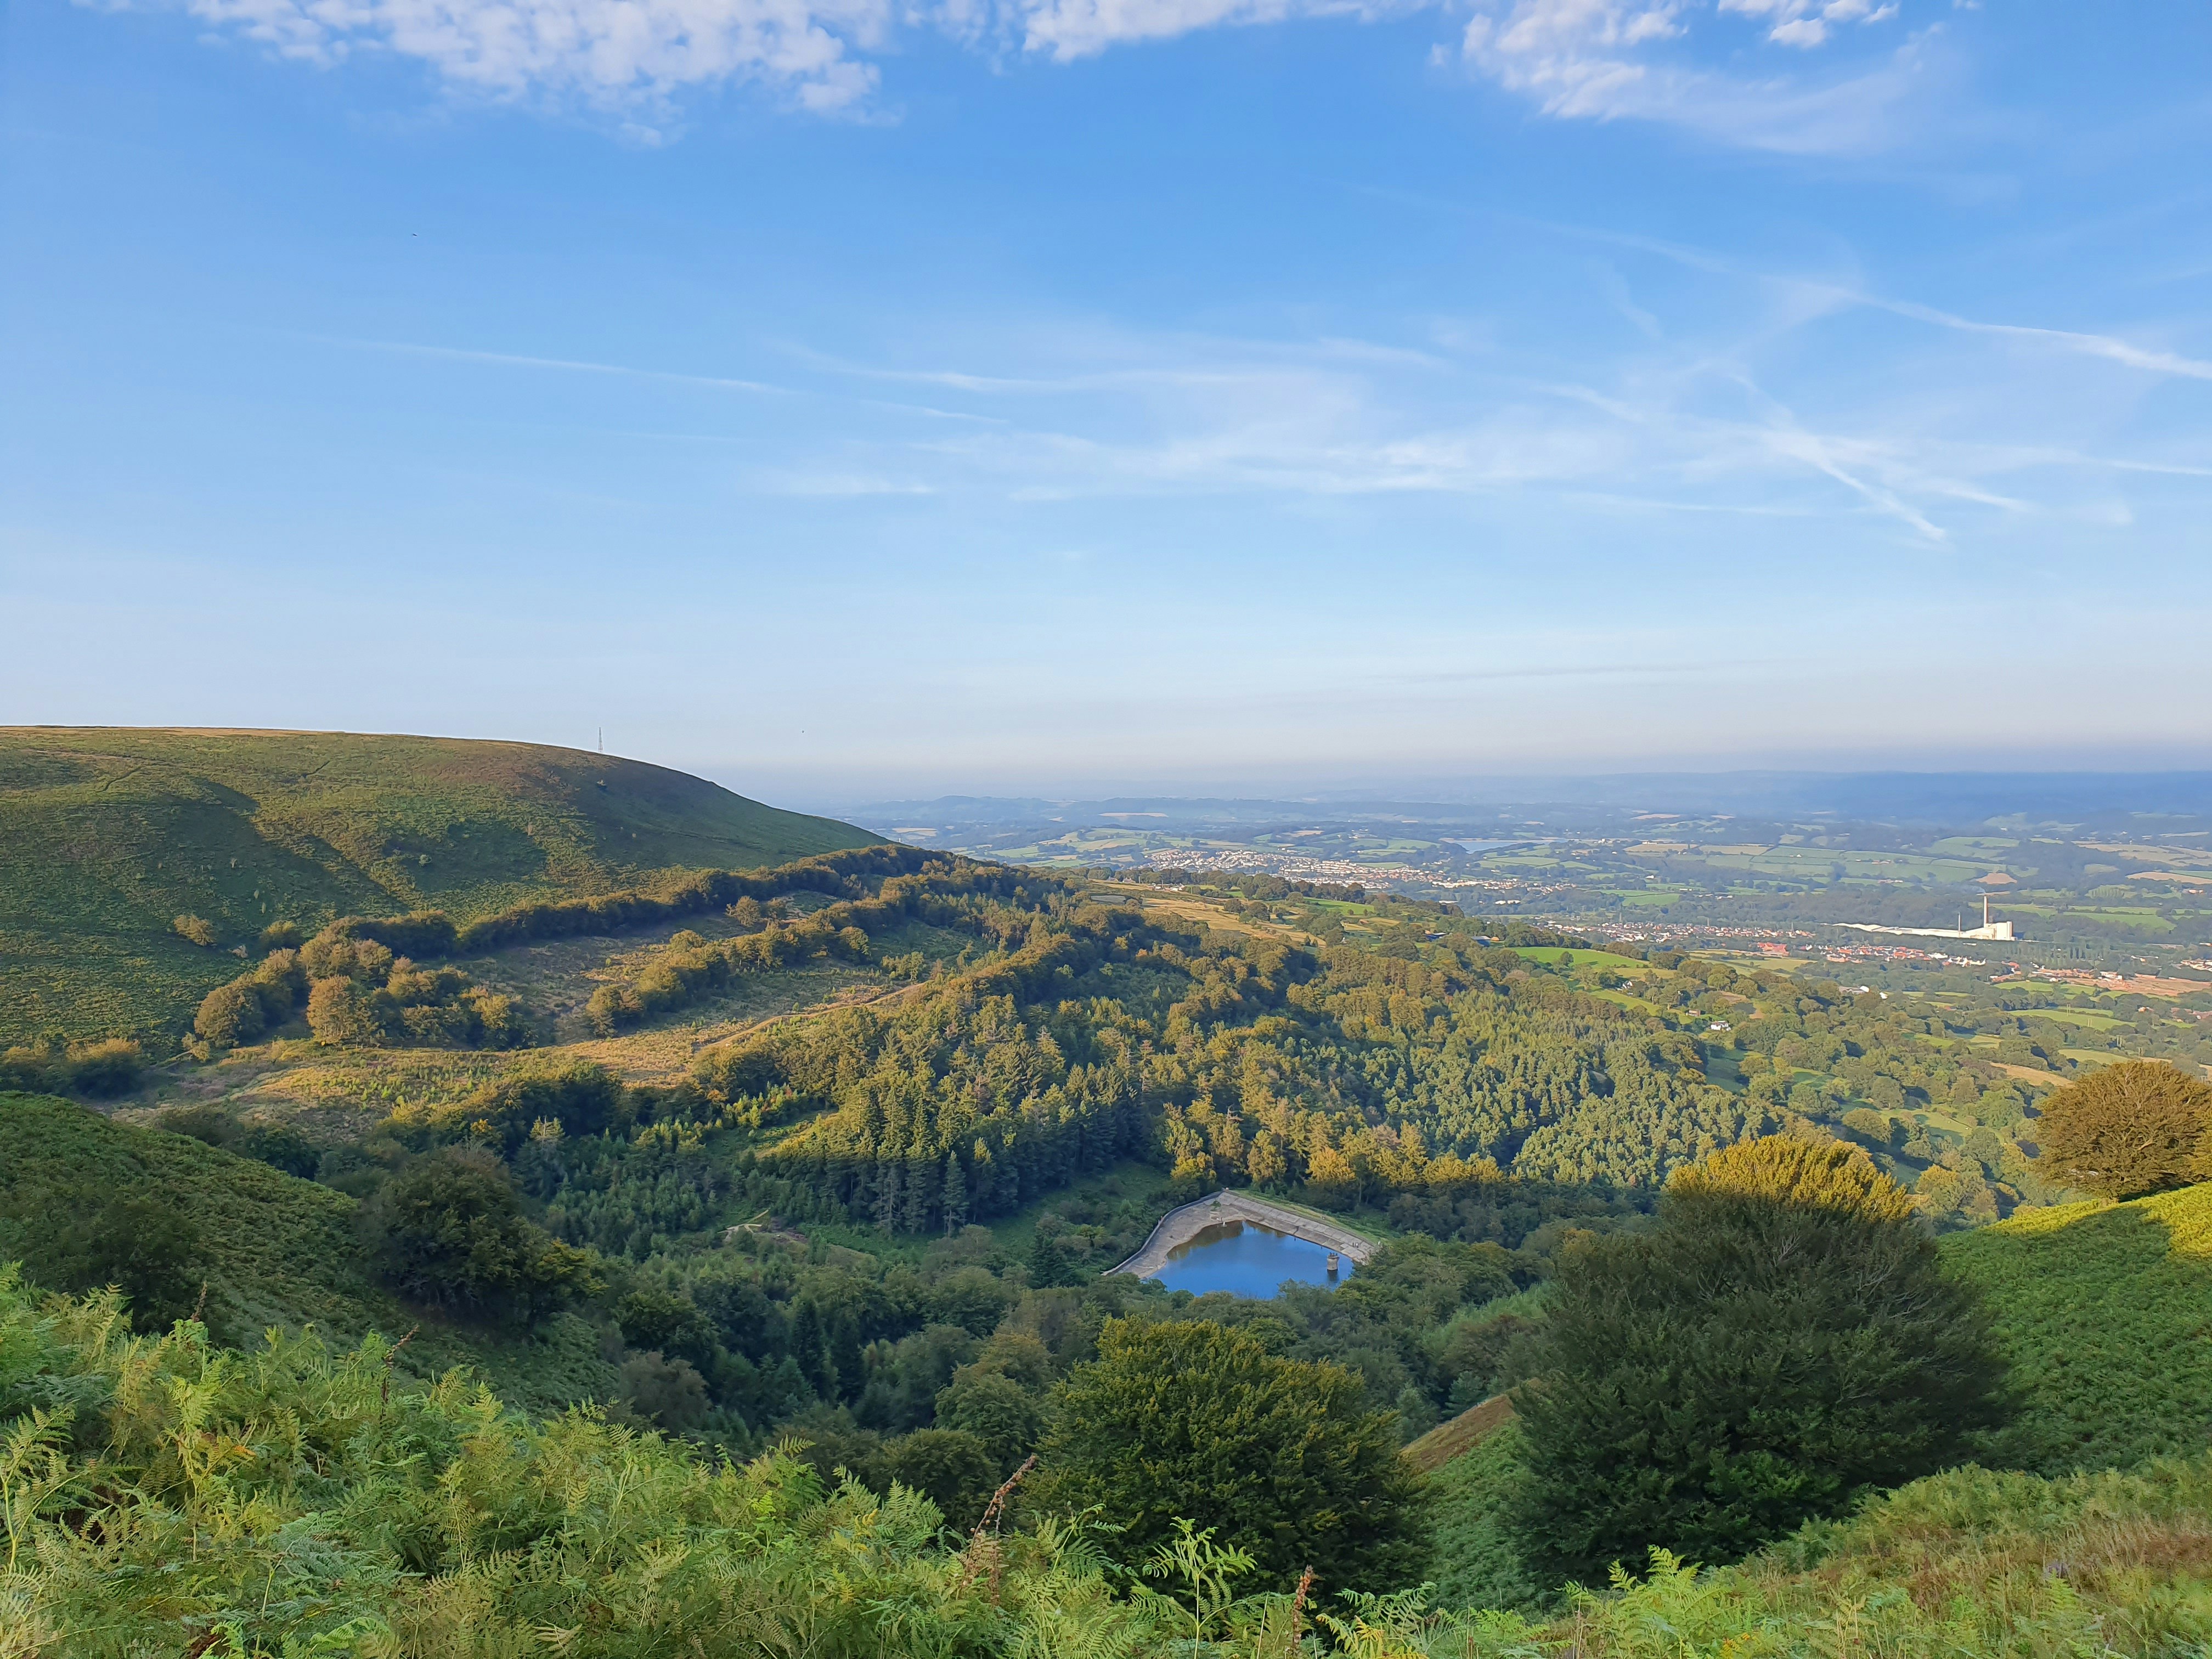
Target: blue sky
{"x": 842, "y": 398}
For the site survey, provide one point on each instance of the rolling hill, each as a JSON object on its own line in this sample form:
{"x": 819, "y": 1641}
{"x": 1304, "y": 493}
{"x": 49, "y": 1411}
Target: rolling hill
{"x": 107, "y": 835}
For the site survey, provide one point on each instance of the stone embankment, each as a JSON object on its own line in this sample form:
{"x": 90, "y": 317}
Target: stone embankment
{"x": 1179, "y": 1227}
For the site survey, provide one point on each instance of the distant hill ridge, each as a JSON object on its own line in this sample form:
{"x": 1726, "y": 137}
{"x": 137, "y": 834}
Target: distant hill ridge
{"x": 108, "y": 835}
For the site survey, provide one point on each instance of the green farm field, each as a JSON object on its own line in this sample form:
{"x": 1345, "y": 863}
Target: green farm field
{"x": 2094, "y": 1021}
{"x": 1582, "y": 958}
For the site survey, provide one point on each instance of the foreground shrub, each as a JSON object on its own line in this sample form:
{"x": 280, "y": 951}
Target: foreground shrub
{"x": 950, "y": 1467}
{"x": 1279, "y": 1456}
{"x": 147, "y": 1249}
{"x": 2129, "y": 1129}
{"x": 1783, "y": 1343}
{"x": 168, "y": 1498}
{"x": 669, "y": 1392}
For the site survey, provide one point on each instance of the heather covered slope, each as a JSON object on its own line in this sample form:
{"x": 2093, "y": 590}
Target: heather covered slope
{"x": 107, "y": 835}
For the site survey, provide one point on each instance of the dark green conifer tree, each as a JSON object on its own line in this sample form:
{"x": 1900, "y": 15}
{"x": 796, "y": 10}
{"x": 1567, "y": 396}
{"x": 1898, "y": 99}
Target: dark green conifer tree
{"x": 954, "y": 1200}
{"x": 1048, "y": 1264}
{"x": 808, "y": 1351}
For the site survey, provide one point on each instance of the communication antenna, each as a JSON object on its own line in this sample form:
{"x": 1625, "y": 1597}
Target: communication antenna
{"x": 603, "y": 740}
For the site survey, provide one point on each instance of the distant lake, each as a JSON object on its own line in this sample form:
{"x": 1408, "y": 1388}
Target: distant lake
{"x": 1479, "y": 848}
{"x": 1246, "y": 1259}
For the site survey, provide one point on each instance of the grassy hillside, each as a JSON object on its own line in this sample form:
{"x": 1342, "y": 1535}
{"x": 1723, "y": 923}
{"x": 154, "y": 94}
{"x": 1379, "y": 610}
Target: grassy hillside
{"x": 1477, "y": 1562}
{"x": 2106, "y": 1313}
{"x": 1456, "y": 1437}
{"x": 106, "y": 835}
{"x": 275, "y": 1251}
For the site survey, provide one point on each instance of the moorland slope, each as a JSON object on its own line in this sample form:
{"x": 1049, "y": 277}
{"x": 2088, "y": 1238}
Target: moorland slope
{"x": 108, "y": 836}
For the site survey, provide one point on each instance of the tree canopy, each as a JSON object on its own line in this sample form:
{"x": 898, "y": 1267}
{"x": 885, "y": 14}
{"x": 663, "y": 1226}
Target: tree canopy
{"x": 1281, "y": 1458}
{"x": 1782, "y": 1343}
{"x": 448, "y": 1231}
{"x": 2140, "y": 1126}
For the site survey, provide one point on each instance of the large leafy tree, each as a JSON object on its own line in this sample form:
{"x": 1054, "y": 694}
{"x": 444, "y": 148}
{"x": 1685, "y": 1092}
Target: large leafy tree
{"x": 1280, "y": 1457}
{"x": 2129, "y": 1129}
{"x": 1780, "y": 1344}
{"x": 448, "y": 1231}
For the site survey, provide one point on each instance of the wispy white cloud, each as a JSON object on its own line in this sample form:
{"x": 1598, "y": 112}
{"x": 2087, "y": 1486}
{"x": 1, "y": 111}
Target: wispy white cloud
{"x": 1065, "y": 30}
{"x": 1604, "y": 59}
{"x": 1610, "y": 60}
{"x": 2106, "y": 346}
{"x": 1681, "y": 423}
{"x": 1822, "y": 294}
{"x": 568, "y": 365}
{"x": 1806, "y": 23}
{"x": 610, "y": 53}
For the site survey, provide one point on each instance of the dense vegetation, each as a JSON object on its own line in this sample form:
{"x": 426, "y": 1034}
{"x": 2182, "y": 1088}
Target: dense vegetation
{"x": 2105, "y": 1315}
{"x": 2102, "y": 1314}
{"x": 1354, "y": 1075}
{"x": 132, "y": 862}
{"x": 1779, "y": 1346}
{"x": 265, "y": 1247}
{"x": 828, "y": 1262}
{"x": 1187, "y": 1421}
{"x": 166, "y": 1498}
{"x": 1054, "y": 1042}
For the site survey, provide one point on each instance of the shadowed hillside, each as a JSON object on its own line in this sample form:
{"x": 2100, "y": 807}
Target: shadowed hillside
{"x": 272, "y": 1251}
{"x": 2106, "y": 1313}
{"x": 108, "y": 836}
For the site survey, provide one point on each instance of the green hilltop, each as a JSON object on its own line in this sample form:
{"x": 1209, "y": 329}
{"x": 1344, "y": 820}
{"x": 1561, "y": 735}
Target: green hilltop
{"x": 107, "y": 835}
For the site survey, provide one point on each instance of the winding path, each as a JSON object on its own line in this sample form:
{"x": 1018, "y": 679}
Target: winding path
{"x": 1179, "y": 1227}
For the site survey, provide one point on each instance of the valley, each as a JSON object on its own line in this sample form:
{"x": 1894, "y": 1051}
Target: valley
{"x": 815, "y": 1170}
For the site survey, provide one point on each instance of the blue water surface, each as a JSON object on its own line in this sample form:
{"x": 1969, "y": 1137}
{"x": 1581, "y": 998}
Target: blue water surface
{"x": 1246, "y": 1259}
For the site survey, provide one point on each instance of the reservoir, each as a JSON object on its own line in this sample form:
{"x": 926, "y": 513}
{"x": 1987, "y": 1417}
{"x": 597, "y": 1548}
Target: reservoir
{"x": 1246, "y": 1259}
